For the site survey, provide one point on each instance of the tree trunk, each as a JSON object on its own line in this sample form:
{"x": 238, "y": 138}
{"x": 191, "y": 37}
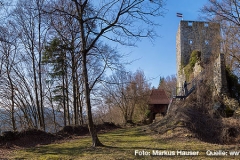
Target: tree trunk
{"x": 67, "y": 99}
{"x": 74, "y": 89}
{"x": 31, "y": 111}
{"x": 12, "y": 102}
{"x": 80, "y": 110}
{"x": 91, "y": 127}
{"x": 125, "y": 117}
{"x": 132, "y": 109}
{"x": 64, "y": 99}
{"x": 40, "y": 68}
{"x": 53, "y": 110}
{"x": 78, "y": 105}
{"x": 79, "y": 102}
{"x": 41, "y": 93}
{"x": 36, "y": 89}
{"x": 25, "y": 111}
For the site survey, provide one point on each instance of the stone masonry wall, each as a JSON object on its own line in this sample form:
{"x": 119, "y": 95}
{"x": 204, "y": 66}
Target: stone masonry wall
{"x": 219, "y": 75}
{"x": 194, "y": 35}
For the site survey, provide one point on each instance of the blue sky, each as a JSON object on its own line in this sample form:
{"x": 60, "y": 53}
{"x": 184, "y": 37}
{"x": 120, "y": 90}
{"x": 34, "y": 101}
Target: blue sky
{"x": 159, "y": 59}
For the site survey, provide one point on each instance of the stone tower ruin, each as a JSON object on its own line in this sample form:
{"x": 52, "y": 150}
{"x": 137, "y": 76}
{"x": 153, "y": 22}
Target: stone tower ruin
{"x": 203, "y": 37}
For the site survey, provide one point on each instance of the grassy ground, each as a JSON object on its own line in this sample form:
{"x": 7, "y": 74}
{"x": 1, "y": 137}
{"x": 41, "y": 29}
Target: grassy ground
{"x": 122, "y": 144}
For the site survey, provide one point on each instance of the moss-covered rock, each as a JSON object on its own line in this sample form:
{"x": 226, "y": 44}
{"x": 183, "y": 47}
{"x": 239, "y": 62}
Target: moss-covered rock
{"x": 189, "y": 68}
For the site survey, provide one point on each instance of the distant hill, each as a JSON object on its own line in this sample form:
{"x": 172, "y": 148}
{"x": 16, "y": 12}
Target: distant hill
{"x": 6, "y": 125}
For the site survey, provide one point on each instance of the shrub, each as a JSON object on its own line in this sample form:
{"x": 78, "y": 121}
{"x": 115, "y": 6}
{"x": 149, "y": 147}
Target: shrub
{"x": 233, "y": 84}
{"x": 229, "y": 112}
{"x": 194, "y": 58}
{"x": 147, "y": 113}
{"x": 9, "y": 135}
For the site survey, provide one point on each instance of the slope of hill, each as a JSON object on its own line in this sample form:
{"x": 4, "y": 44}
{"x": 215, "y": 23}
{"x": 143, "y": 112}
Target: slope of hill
{"x": 196, "y": 118}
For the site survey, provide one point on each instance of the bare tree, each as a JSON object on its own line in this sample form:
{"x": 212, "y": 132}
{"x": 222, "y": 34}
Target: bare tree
{"x": 168, "y": 83}
{"x": 111, "y": 20}
{"x": 129, "y": 93}
{"x": 223, "y": 10}
{"x": 8, "y": 51}
{"x": 66, "y": 28}
{"x": 227, "y": 13}
{"x": 27, "y": 20}
{"x": 231, "y": 45}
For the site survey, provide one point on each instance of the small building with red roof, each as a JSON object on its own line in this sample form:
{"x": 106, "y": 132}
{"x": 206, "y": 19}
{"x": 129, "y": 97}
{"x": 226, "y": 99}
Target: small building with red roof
{"x": 158, "y": 102}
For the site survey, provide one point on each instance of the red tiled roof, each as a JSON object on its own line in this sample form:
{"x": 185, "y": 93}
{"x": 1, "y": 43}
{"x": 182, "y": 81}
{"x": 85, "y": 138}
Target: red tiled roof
{"x": 158, "y": 96}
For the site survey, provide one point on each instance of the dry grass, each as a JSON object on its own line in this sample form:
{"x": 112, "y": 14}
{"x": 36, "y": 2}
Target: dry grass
{"x": 122, "y": 144}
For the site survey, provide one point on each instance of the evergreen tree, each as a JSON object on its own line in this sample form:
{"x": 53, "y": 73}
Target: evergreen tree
{"x": 56, "y": 55}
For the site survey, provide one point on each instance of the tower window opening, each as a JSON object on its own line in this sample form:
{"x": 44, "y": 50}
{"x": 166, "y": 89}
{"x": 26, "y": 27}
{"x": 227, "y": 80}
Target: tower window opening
{"x": 190, "y": 41}
{"x": 190, "y": 24}
{"x": 207, "y": 42}
{"x": 205, "y": 24}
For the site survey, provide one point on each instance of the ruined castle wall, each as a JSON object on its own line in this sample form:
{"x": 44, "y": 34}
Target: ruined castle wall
{"x": 192, "y": 35}
{"x": 179, "y": 48}
{"x": 219, "y": 75}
